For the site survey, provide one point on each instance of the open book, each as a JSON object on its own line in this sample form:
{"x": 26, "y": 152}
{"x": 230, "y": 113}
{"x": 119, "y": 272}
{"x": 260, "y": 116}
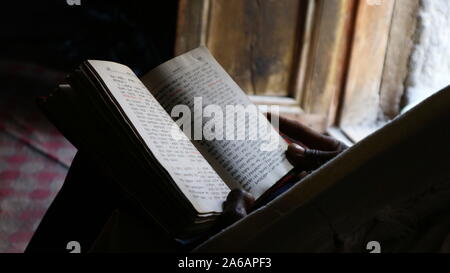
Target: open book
{"x": 164, "y": 138}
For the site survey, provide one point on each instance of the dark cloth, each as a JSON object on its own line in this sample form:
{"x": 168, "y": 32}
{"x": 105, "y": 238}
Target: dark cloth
{"x": 92, "y": 210}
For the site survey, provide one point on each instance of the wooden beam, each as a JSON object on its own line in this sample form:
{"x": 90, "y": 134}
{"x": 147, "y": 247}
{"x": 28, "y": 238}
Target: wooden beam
{"x": 326, "y": 59}
{"x": 257, "y": 42}
{"x": 384, "y": 39}
{"x": 192, "y": 25}
{"x": 360, "y": 111}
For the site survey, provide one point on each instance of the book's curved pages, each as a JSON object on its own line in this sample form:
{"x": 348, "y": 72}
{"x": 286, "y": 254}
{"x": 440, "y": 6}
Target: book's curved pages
{"x": 180, "y": 179}
{"x": 240, "y": 152}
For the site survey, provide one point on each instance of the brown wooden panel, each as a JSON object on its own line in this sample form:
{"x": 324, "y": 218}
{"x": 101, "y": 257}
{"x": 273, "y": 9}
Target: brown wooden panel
{"x": 361, "y": 111}
{"x": 257, "y": 42}
{"x": 327, "y": 58}
{"x": 191, "y": 25}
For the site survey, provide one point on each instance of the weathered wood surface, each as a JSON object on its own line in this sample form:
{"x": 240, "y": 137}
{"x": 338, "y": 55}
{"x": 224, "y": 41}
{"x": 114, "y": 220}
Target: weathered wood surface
{"x": 383, "y": 42}
{"x": 326, "y": 59}
{"x": 191, "y": 24}
{"x": 257, "y": 42}
{"x": 360, "y": 110}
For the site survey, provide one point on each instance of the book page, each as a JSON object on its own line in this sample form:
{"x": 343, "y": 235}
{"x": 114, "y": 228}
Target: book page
{"x": 191, "y": 172}
{"x": 242, "y": 146}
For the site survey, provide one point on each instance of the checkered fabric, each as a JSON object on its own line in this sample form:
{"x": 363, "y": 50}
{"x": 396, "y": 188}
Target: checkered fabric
{"x": 34, "y": 160}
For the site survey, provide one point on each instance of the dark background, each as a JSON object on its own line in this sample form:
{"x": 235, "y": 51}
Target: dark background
{"x": 139, "y": 34}
{"x": 40, "y": 43}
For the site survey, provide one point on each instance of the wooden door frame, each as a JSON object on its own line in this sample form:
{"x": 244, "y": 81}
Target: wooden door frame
{"x": 327, "y": 59}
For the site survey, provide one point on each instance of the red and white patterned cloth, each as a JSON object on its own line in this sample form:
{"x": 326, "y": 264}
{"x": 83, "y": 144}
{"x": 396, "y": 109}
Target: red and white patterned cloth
{"x": 34, "y": 160}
